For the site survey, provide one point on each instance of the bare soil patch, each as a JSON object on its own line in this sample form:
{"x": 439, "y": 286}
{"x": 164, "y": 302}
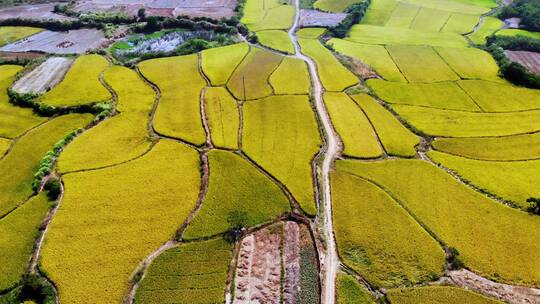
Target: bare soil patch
{"x": 318, "y": 18}
{"x": 20, "y": 55}
{"x": 44, "y": 77}
{"x": 71, "y": 42}
{"x": 531, "y": 60}
{"x": 32, "y": 11}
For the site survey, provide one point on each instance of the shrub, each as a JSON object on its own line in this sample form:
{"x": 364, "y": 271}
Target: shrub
{"x": 515, "y": 43}
{"x": 534, "y": 205}
{"x": 37, "y": 288}
{"x": 54, "y": 188}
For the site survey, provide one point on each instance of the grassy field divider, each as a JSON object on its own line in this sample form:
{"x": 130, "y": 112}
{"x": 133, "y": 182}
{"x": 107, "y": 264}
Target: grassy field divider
{"x": 204, "y": 118}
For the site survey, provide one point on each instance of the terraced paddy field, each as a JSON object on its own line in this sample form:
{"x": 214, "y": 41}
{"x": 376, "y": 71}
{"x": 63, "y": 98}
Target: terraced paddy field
{"x": 14, "y": 33}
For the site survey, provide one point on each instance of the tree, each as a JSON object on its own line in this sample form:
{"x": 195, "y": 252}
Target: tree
{"x": 237, "y": 220}
{"x": 141, "y": 13}
{"x": 534, "y": 205}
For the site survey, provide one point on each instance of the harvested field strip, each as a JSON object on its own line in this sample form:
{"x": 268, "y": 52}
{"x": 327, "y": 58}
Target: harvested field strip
{"x": 488, "y": 26}
{"x": 430, "y": 20}
{"x": 403, "y": 15}
{"x": 250, "y": 79}
{"x": 436, "y": 295}
{"x": 178, "y": 114}
{"x": 530, "y": 60}
{"x": 291, "y": 77}
{"x": 18, "y": 232}
{"x": 120, "y": 138}
{"x": 334, "y": 76}
{"x": 493, "y": 240}
{"x": 450, "y": 123}
{"x": 461, "y": 23}
{"x": 44, "y": 77}
{"x": 188, "y": 273}
{"x": 508, "y": 148}
{"x": 10, "y": 34}
{"x": 514, "y": 181}
{"x": 374, "y": 55}
{"x": 396, "y": 139}
{"x": 442, "y": 95}
{"x": 396, "y": 251}
{"x": 13, "y": 120}
{"x": 277, "y": 40}
{"x": 281, "y": 135}
{"x": 223, "y": 117}
{"x": 352, "y": 125}
{"x": 349, "y": 291}
{"x": 420, "y": 64}
{"x": 219, "y": 63}
{"x": 81, "y": 84}
{"x": 236, "y": 190}
{"x": 118, "y": 225}
{"x": 497, "y": 97}
{"x": 470, "y": 63}
{"x": 19, "y": 166}
{"x": 334, "y": 6}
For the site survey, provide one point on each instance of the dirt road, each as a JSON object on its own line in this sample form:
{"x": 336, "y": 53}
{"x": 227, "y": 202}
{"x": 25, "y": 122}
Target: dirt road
{"x": 331, "y": 150}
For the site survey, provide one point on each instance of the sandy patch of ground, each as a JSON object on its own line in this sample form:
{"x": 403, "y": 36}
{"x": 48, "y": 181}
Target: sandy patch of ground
{"x": 44, "y": 77}
{"x": 531, "y": 60}
{"x": 291, "y": 260}
{"x": 318, "y": 18}
{"x": 32, "y": 11}
{"x": 71, "y": 42}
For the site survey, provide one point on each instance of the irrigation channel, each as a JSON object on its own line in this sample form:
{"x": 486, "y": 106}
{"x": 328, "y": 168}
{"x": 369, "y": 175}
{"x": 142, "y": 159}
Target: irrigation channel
{"x": 330, "y": 151}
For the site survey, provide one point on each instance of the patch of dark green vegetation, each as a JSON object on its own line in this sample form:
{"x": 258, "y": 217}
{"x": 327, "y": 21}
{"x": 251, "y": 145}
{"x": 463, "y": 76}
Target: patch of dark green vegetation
{"x": 307, "y": 4}
{"x": 515, "y": 43}
{"x": 355, "y": 13}
{"x": 309, "y": 273}
{"x": 32, "y": 288}
{"x": 514, "y": 72}
{"x": 527, "y": 10}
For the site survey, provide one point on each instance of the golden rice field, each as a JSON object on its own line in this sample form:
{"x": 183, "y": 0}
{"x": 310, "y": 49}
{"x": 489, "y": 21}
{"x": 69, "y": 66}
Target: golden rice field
{"x": 4, "y": 145}
{"x": 277, "y": 40}
{"x": 10, "y": 34}
{"x": 349, "y": 291}
{"x": 290, "y": 78}
{"x": 334, "y": 6}
{"x": 436, "y": 295}
{"x": 223, "y": 117}
{"x": 268, "y": 15}
{"x": 219, "y": 63}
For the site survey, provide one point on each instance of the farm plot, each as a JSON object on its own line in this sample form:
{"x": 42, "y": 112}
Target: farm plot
{"x": 190, "y": 271}
{"x": 44, "y": 77}
{"x": 311, "y": 17}
{"x": 497, "y": 97}
{"x": 223, "y": 117}
{"x": 460, "y": 23}
{"x": 18, "y": 231}
{"x": 13, "y": 120}
{"x": 291, "y": 77}
{"x": 518, "y": 32}
{"x": 4, "y": 146}
{"x": 268, "y": 15}
{"x": 179, "y": 112}
{"x": 334, "y": 6}
{"x": 349, "y": 291}
{"x": 420, "y": 64}
{"x": 70, "y": 42}
{"x": 276, "y": 40}
{"x": 403, "y": 15}
{"x": 493, "y": 240}
{"x": 378, "y": 239}
{"x": 430, "y": 19}
{"x": 379, "y": 11}
{"x": 531, "y": 60}
{"x": 120, "y": 138}
{"x": 81, "y": 84}
{"x": 237, "y": 190}
{"x": 488, "y": 26}
{"x": 460, "y": 6}
{"x": 10, "y": 34}
{"x": 281, "y": 135}
{"x": 396, "y": 139}
{"x": 507, "y": 148}
{"x": 250, "y": 79}
{"x": 436, "y": 295}
{"x": 442, "y": 95}
{"x": 118, "y": 225}
{"x": 32, "y": 11}
{"x": 450, "y": 123}
{"x": 352, "y": 125}
{"x": 515, "y": 181}
{"x": 470, "y": 63}
{"x": 219, "y": 63}
{"x": 310, "y": 32}
{"x": 334, "y": 76}
{"x": 374, "y": 55}
{"x": 21, "y": 163}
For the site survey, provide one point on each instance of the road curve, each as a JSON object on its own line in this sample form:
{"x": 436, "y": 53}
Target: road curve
{"x": 330, "y": 259}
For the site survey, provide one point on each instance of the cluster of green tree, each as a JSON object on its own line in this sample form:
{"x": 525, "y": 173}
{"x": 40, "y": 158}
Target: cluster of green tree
{"x": 189, "y": 47}
{"x": 513, "y": 71}
{"x": 515, "y": 43}
{"x": 355, "y": 13}
{"x": 527, "y": 10}
{"x": 224, "y": 26}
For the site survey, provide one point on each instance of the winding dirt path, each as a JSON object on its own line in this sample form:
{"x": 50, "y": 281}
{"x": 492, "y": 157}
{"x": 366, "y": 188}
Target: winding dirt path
{"x": 330, "y": 260}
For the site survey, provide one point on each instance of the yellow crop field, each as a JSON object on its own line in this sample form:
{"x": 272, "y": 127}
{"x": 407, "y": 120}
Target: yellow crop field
{"x": 278, "y": 18}
{"x": 349, "y": 291}
{"x": 4, "y": 146}
{"x": 436, "y": 295}
{"x": 281, "y": 135}
{"x": 403, "y": 15}
{"x": 461, "y": 23}
{"x": 219, "y": 63}
{"x": 498, "y": 97}
{"x": 334, "y": 6}
{"x": 470, "y": 63}
{"x": 456, "y": 6}
{"x": 81, "y": 84}
{"x": 9, "y": 34}
{"x": 374, "y": 55}
{"x": 223, "y": 118}
{"x": 18, "y": 232}
{"x": 420, "y": 63}
{"x": 378, "y": 239}
{"x": 291, "y": 77}
{"x": 353, "y": 127}
{"x": 250, "y": 80}
{"x": 451, "y": 123}
{"x": 494, "y": 240}
{"x": 430, "y": 19}
{"x": 19, "y": 166}
{"x": 442, "y": 95}
{"x": 515, "y": 181}
{"x": 235, "y": 187}
{"x": 518, "y": 32}
{"x": 179, "y": 112}
{"x": 276, "y": 39}
{"x": 13, "y": 120}
{"x": 196, "y": 270}
{"x": 489, "y": 26}
{"x": 334, "y": 76}
{"x": 119, "y": 138}
{"x": 97, "y": 238}
{"x": 396, "y": 139}
{"x": 379, "y": 11}
{"x": 515, "y": 147}
{"x": 310, "y": 32}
